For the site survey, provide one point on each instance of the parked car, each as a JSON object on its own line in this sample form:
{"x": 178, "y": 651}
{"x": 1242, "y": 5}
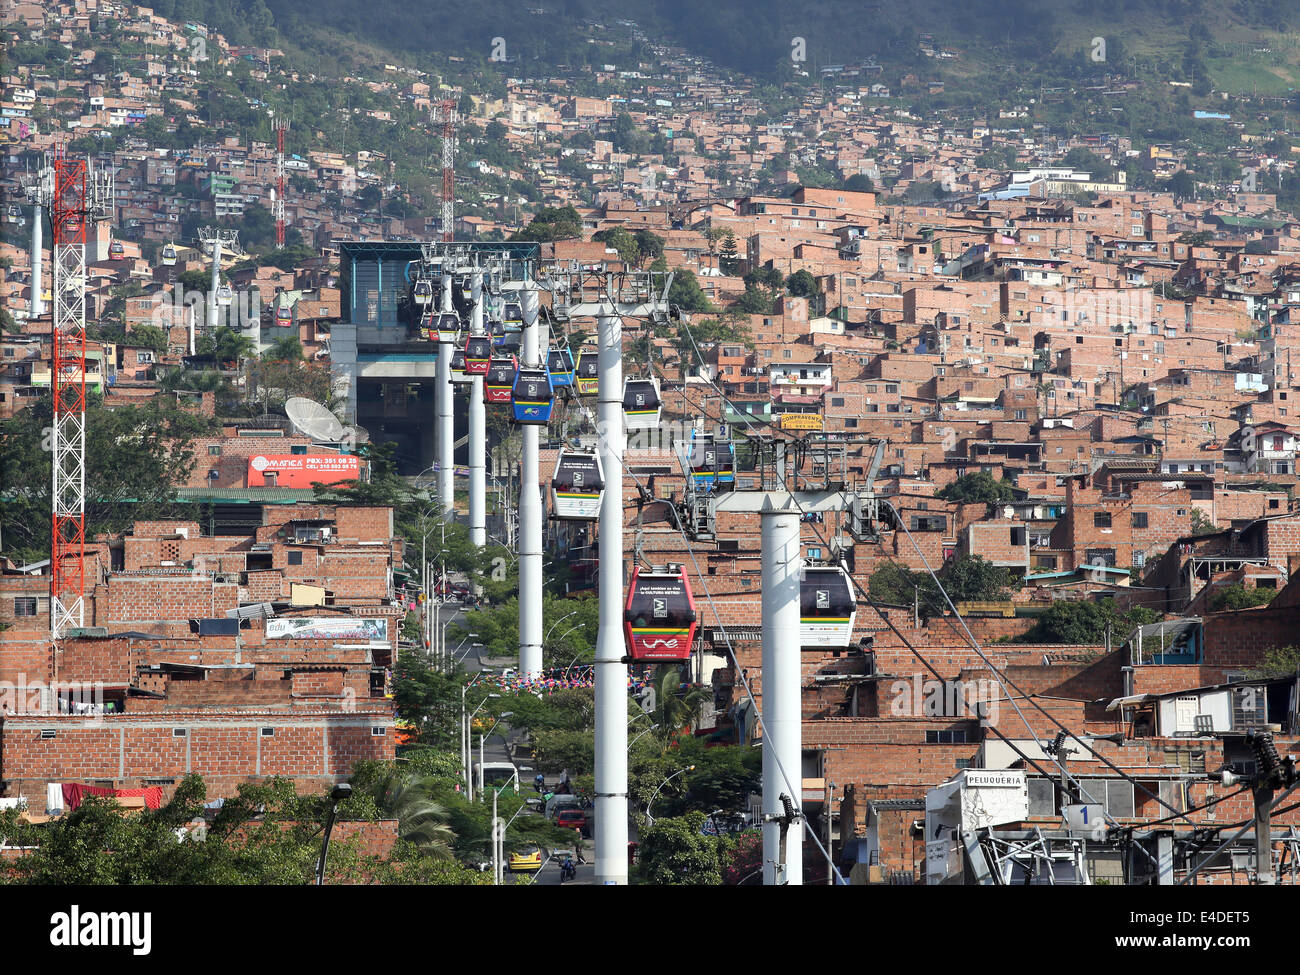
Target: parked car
{"x": 573, "y": 819}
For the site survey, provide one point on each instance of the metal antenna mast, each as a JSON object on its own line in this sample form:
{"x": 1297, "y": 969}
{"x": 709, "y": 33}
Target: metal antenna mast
{"x": 78, "y": 197}
{"x": 445, "y": 114}
{"x": 277, "y": 198}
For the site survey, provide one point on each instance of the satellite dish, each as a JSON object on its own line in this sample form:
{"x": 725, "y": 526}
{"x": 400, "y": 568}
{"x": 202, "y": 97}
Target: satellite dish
{"x": 313, "y": 420}
{"x": 359, "y": 434}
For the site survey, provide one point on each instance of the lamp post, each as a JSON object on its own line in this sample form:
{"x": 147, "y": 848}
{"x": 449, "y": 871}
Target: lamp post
{"x": 338, "y": 794}
{"x": 640, "y": 736}
{"x": 465, "y": 720}
{"x": 650, "y": 820}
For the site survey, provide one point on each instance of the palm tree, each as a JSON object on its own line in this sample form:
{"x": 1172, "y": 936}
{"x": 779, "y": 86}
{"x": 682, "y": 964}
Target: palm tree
{"x": 676, "y": 710}
{"x": 422, "y": 821}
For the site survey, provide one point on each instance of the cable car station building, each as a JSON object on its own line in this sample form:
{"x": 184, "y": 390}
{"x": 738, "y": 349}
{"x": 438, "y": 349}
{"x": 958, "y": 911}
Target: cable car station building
{"x": 380, "y": 367}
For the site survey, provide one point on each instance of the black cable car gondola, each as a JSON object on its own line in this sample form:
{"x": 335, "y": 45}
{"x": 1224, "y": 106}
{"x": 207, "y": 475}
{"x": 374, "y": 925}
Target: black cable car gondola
{"x": 499, "y": 379}
{"x": 422, "y": 292}
{"x": 586, "y": 374}
{"x": 712, "y": 463}
{"x": 532, "y": 396}
{"x": 576, "y": 485}
{"x": 659, "y": 618}
{"x": 478, "y": 355}
{"x": 827, "y": 607}
{"x": 447, "y": 328}
{"x": 641, "y": 404}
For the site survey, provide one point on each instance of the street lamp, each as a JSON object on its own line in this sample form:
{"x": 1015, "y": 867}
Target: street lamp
{"x": 338, "y": 794}
{"x": 482, "y": 746}
{"x": 547, "y": 638}
{"x": 650, "y": 820}
{"x": 465, "y": 740}
{"x": 640, "y": 736}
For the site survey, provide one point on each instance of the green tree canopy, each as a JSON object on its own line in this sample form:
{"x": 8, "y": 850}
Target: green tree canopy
{"x": 978, "y": 487}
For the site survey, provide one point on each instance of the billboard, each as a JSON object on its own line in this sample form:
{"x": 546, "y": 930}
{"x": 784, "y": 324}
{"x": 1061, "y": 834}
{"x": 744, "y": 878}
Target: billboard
{"x": 300, "y": 470}
{"x": 327, "y": 628}
{"x": 801, "y": 421}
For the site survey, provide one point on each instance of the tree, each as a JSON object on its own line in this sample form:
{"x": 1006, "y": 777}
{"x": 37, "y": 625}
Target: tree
{"x": 1084, "y": 622}
{"x": 686, "y": 293}
{"x": 674, "y": 852}
{"x": 974, "y": 578}
{"x": 136, "y": 458}
{"x": 729, "y": 250}
{"x": 1237, "y": 596}
{"x": 649, "y": 244}
{"x": 978, "y": 487}
{"x": 623, "y": 241}
{"x": 551, "y": 224}
{"x": 859, "y": 183}
{"x": 754, "y": 301}
{"x": 801, "y": 284}
{"x": 1180, "y": 184}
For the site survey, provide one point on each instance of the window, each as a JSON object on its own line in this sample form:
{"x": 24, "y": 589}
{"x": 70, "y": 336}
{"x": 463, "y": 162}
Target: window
{"x": 268, "y": 732}
{"x": 1139, "y": 519}
{"x": 1019, "y": 414}
{"x": 1139, "y": 559}
{"x": 1115, "y": 794}
{"x": 377, "y": 731}
{"x": 48, "y": 733}
{"x": 25, "y": 606}
{"x": 214, "y": 450}
{"x": 1101, "y": 519}
{"x": 298, "y": 448}
{"x": 951, "y": 737}
{"x": 891, "y": 388}
{"x": 1042, "y": 798}
{"x": 179, "y": 732}
{"x": 837, "y": 401}
{"x": 295, "y": 558}
{"x": 815, "y": 553}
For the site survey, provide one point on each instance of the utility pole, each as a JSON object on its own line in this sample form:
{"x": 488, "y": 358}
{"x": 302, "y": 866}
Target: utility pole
{"x": 530, "y": 510}
{"x": 477, "y": 431}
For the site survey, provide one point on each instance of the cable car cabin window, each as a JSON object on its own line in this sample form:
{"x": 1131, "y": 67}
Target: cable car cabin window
{"x": 825, "y": 593}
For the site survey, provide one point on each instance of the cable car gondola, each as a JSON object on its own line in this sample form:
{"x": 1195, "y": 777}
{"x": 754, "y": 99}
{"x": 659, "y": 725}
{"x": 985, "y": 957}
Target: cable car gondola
{"x": 478, "y": 355}
{"x": 225, "y": 295}
{"x": 512, "y": 316}
{"x": 659, "y": 618}
{"x": 532, "y": 396}
{"x": 575, "y": 488}
{"x": 827, "y": 607}
{"x": 712, "y": 462}
{"x": 423, "y": 292}
{"x": 115, "y": 249}
{"x": 447, "y": 327}
{"x": 457, "y": 365}
{"x": 500, "y": 379}
{"x": 498, "y": 332}
{"x": 168, "y": 255}
{"x": 586, "y": 375}
{"x": 559, "y": 363}
{"x": 283, "y": 314}
{"x": 641, "y": 405}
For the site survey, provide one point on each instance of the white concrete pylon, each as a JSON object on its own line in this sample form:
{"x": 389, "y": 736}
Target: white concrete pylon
{"x": 782, "y": 708}
{"x": 530, "y": 512}
{"x": 477, "y": 433}
{"x": 443, "y": 394}
{"x": 611, "y": 672}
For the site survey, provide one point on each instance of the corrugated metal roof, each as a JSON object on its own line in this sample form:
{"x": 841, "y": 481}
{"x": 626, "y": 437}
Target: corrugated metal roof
{"x": 279, "y": 495}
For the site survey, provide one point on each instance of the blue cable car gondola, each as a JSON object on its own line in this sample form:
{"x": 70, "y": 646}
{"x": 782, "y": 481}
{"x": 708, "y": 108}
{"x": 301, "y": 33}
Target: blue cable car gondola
{"x": 532, "y": 396}
{"x": 500, "y": 379}
{"x": 559, "y": 364}
{"x": 712, "y": 463}
{"x": 586, "y": 374}
{"x": 478, "y": 355}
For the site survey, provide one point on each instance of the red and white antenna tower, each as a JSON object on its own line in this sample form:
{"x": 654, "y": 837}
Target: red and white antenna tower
{"x": 445, "y": 113}
{"x": 279, "y": 125}
{"x": 79, "y": 196}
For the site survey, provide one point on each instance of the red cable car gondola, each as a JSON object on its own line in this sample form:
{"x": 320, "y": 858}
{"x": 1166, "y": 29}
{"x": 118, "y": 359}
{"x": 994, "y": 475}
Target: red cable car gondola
{"x": 659, "y": 619}
{"x": 478, "y": 355}
{"x": 500, "y": 379}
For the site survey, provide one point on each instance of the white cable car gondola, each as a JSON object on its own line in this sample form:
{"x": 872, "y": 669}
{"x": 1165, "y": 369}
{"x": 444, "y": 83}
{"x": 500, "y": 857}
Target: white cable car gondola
{"x": 423, "y": 292}
{"x": 447, "y": 328}
{"x": 168, "y": 255}
{"x": 225, "y": 295}
{"x": 457, "y": 366}
{"x": 827, "y": 607}
{"x": 641, "y": 404}
{"x": 577, "y": 484}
